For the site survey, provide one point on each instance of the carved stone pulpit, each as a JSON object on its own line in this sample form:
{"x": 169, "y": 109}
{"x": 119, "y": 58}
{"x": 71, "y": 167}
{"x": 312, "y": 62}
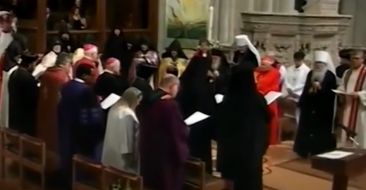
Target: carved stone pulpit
{"x": 285, "y": 34}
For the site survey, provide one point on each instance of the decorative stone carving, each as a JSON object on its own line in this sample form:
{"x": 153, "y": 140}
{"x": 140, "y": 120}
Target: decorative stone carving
{"x": 287, "y": 33}
{"x": 322, "y": 7}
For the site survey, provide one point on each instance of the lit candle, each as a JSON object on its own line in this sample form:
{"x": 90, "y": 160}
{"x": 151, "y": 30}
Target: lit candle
{"x": 210, "y": 23}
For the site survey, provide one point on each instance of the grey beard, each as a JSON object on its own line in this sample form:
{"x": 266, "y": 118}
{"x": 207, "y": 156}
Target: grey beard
{"x": 318, "y": 76}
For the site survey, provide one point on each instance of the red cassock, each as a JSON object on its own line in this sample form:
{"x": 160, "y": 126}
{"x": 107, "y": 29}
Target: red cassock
{"x": 268, "y": 81}
{"x": 87, "y": 61}
{"x": 49, "y": 95}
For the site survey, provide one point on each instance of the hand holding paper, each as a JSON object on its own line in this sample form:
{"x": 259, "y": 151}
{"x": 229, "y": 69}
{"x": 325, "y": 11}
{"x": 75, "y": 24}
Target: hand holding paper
{"x": 110, "y": 101}
{"x": 272, "y": 96}
{"x": 195, "y": 118}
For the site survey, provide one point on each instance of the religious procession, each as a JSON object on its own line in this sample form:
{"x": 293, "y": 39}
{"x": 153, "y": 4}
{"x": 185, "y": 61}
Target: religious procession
{"x": 150, "y": 114}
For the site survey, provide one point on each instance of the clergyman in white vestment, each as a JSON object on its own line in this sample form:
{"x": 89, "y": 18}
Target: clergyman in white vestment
{"x": 354, "y": 113}
{"x": 295, "y": 80}
{"x": 120, "y": 148}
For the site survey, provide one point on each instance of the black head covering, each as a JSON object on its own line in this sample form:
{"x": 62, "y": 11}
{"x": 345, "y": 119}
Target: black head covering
{"x": 345, "y": 54}
{"x": 247, "y": 58}
{"x": 14, "y": 51}
{"x": 146, "y": 41}
{"x": 196, "y": 71}
{"x": 28, "y": 59}
{"x": 174, "y": 46}
{"x": 242, "y": 81}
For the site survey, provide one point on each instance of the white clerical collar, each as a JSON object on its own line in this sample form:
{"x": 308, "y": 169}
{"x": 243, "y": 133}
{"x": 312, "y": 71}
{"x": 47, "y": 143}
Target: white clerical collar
{"x": 79, "y": 80}
{"x": 108, "y": 71}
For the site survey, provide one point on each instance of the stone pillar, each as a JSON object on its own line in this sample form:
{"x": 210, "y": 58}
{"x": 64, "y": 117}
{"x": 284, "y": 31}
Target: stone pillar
{"x": 250, "y": 5}
{"x": 217, "y": 19}
{"x": 276, "y": 6}
{"x": 267, "y": 6}
{"x": 226, "y": 18}
{"x": 287, "y": 6}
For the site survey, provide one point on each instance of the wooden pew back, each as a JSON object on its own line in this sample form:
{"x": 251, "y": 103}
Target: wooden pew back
{"x": 87, "y": 175}
{"x": 33, "y": 157}
{"x": 114, "y": 178}
{"x": 197, "y": 179}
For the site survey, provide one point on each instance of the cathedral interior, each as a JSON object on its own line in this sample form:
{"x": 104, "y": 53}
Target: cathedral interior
{"x": 272, "y": 25}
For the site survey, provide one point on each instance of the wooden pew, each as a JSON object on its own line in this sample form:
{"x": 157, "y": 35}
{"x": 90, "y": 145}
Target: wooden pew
{"x": 121, "y": 180}
{"x": 197, "y": 179}
{"x": 11, "y": 149}
{"x": 2, "y": 163}
{"x": 33, "y": 157}
{"x": 88, "y": 169}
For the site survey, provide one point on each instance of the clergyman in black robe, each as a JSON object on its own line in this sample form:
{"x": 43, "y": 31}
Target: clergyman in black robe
{"x": 23, "y": 96}
{"x": 115, "y": 45}
{"x": 197, "y": 94}
{"x": 315, "y": 133}
{"x": 242, "y": 122}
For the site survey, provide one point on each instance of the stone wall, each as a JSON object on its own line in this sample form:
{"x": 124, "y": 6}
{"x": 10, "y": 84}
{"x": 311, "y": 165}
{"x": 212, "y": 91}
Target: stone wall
{"x": 274, "y": 25}
{"x": 285, "y": 34}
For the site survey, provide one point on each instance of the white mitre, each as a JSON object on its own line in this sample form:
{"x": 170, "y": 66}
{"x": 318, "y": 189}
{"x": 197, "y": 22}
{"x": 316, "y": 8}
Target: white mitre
{"x": 324, "y": 57}
{"x": 243, "y": 40}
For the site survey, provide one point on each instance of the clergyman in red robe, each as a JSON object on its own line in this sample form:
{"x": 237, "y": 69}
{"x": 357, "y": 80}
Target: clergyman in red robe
{"x": 91, "y": 58}
{"x": 268, "y": 79}
{"x": 51, "y": 83}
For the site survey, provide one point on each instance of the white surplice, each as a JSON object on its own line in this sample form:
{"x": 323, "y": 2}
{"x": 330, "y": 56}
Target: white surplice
{"x": 5, "y": 40}
{"x": 121, "y": 138}
{"x": 49, "y": 60}
{"x": 4, "y": 116}
{"x": 295, "y": 79}
{"x": 354, "y": 113}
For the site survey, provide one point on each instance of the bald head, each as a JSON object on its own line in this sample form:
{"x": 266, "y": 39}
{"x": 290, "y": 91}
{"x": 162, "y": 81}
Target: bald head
{"x": 170, "y": 84}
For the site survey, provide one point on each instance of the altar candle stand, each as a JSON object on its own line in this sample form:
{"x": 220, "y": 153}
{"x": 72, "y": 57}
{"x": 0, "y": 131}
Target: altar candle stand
{"x": 342, "y": 169}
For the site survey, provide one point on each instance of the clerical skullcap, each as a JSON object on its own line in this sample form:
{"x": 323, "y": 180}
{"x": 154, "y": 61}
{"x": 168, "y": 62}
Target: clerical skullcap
{"x": 90, "y": 48}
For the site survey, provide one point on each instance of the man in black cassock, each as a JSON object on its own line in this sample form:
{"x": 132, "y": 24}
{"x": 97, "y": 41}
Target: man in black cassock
{"x": 109, "y": 81}
{"x": 315, "y": 133}
{"x": 23, "y": 96}
{"x": 197, "y": 94}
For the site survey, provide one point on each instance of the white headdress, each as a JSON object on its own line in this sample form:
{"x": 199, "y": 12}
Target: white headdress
{"x": 243, "y": 40}
{"x": 324, "y": 57}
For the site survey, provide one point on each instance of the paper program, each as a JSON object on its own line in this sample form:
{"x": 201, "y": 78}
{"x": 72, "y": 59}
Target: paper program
{"x": 110, "y": 101}
{"x": 272, "y": 96}
{"x": 337, "y": 154}
{"x": 195, "y": 118}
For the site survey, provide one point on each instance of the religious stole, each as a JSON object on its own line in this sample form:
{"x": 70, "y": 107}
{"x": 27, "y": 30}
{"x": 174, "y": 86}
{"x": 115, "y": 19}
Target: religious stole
{"x": 352, "y": 123}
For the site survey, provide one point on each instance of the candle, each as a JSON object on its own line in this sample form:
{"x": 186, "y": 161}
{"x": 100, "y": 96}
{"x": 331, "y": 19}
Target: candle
{"x": 210, "y": 23}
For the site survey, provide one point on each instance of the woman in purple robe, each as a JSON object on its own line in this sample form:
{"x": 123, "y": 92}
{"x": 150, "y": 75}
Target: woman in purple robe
{"x": 163, "y": 139}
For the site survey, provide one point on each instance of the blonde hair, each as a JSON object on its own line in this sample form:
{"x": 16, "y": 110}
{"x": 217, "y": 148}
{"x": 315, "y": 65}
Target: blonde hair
{"x": 132, "y": 96}
{"x": 78, "y": 54}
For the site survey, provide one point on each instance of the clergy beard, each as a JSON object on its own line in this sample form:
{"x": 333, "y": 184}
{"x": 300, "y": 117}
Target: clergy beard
{"x": 318, "y": 76}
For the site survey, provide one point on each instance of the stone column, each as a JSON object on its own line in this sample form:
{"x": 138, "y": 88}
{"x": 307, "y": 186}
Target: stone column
{"x": 267, "y": 6}
{"x": 217, "y": 19}
{"x": 226, "y": 19}
{"x": 250, "y": 5}
{"x": 287, "y": 6}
